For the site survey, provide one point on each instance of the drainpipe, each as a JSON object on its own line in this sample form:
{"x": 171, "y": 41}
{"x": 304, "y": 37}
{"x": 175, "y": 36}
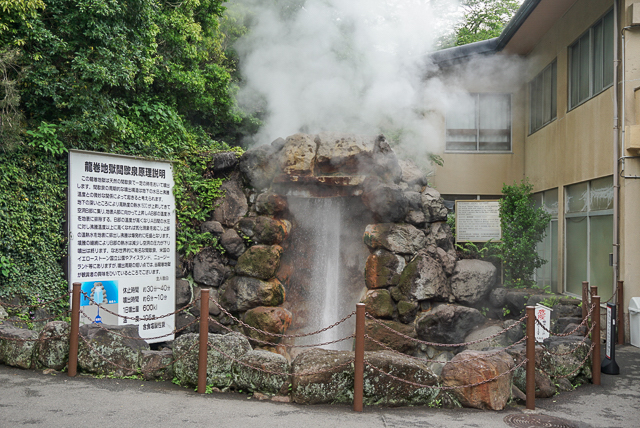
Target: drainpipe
{"x": 616, "y": 143}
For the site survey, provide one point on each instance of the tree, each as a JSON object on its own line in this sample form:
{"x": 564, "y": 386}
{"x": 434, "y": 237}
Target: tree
{"x": 523, "y": 226}
{"x": 484, "y": 19}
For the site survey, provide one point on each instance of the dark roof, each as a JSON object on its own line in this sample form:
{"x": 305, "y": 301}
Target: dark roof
{"x": 446, "y": 57}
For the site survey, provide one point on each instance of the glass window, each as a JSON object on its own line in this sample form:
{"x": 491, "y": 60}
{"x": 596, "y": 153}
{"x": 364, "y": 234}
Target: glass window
{"x": 547, "y": 249}
{"x": 543, "y": 95}
{"x": 480, "y": 123}
{"x": 589, "y": 235}
{"x": 591, "y": 61}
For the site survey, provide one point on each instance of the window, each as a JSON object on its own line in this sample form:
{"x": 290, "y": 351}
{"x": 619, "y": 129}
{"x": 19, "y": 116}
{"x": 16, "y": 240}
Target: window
{"x": 591, "y": 61}
{"x": 543, "y": 98}
{"x": 547, "y": 274}
{"x": 589, "y": 235}
{"x": 481, "y": 123}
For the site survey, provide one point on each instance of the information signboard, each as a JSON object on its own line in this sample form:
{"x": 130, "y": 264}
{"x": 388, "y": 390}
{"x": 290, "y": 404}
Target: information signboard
{"x": 478, "y": 221}
{"x": 543, "y": 315}
{"x": 122, "y": 240}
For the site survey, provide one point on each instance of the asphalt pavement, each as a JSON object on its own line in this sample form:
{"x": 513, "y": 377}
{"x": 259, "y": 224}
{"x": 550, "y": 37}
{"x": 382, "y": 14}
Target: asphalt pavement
{"x": 29, "y": 397}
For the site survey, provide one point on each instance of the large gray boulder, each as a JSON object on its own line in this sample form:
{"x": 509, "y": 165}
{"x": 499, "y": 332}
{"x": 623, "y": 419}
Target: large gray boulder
{"x": 298, "y": 156}
{"x": 433, "y": 206}
{"x": 223, "y": 349}
{"x": 383, "y": 269}
{"x": 248, "y": 378}
{"x": 397, "y": 238}
{"x": 157, "y": 365}
{"x": 241, "y": 293}
{"x": 386, "y": 201}
{"x": 17, "y": 346}
{"x": 472, "y": 280}
{"x": 387, "y": 336}
{"x": 423, "y": 278}
{"x": 209, "y": 268}
{"x": 447, "y": 323}
{"x": 232, "y": 243}
{"x": 484, "y": 333}
{"x": 384, "y": 390}
{"x": 53, "y": 345}
{"x": 264, "y": 230}
{"x": 110, "y": 349}
{"x": 343, "y": 153}
{"x": 259, "y": 165}
{"x": 411, "y": 174}
{"x": 260, "y": 261}
{"x": 330, "y": 378}
{"x": 233, "y": 205}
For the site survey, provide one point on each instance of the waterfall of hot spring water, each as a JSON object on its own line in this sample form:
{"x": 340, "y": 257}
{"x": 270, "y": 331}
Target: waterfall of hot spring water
{"x": 321, "y": 223}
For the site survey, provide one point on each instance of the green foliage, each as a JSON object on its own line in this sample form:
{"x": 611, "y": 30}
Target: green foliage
{"x": 137, "y": 77}
{"x": 484, "y": 19}
{"x": 523, "y": 226}
{"x": 550, "y": 302}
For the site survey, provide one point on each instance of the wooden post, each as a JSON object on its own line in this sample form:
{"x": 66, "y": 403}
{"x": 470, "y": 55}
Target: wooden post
{"x": 72, "y": 368}
{"x": 595, "y": 338}
{"x": 620, "y": 309}
{"x": 204, "y": 340}
{"x": 358, "y": 365}
{"x": 531, "y": 358}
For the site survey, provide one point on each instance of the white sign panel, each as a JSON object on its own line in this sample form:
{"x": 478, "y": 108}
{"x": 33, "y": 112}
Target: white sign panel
{"x": 478, "y": 221}
{"x": 122, "y": 240}
{"x": 543, "y": 314}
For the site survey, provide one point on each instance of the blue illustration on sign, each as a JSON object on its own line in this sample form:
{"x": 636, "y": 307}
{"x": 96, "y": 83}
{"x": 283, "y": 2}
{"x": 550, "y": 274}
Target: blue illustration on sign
{"x": 101, "y": 292}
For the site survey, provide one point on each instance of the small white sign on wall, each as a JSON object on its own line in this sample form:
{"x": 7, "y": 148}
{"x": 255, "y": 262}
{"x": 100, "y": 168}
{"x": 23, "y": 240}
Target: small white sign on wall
{"x": 478, "y": 221}
{"x": 543, "y": 315}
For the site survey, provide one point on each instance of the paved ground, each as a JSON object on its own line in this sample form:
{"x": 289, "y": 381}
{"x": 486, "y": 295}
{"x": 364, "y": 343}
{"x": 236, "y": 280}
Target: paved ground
{"x": 55, "y": 400}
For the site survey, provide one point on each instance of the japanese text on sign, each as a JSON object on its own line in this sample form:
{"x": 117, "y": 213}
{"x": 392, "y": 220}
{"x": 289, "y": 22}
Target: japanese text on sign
{"x": 478, "y": 221}
{"x": 122, "y": 239}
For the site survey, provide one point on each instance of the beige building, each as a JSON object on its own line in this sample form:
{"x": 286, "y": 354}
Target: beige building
{"x": 556, "y": 99}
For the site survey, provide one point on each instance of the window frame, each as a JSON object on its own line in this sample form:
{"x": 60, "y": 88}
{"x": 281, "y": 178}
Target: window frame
{"x": 588, "y": 38}
{"x": 537, "y": 94}
{"x": 477, "y": 96}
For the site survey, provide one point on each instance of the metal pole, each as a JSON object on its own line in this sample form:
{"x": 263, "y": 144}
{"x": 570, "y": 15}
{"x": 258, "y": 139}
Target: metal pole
{"x": 595, "y": 338}
{"x": 358, "y": 365}
{"x": 585, "y": 298}
{"x": 204, "y": 340}
{"x": 531, "y": 359}
{"x": 75, "y": 330}
{"x": 620, "y": 313}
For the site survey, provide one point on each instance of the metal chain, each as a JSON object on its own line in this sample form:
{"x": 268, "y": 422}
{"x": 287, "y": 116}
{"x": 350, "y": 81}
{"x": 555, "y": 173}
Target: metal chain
{"x": 138, "y": 318}
{"x": 573, "y": 372}
{"x": 436, "y": 361}
{"x": 287, "y": 336}
{"x": 138, "y": 371}
{"x": 38, "y": 320}
{"x": 330, "y": 369}
{"x": 584, "y": 321}
{"x": 584, "y": 339}
{"x": 265, "y": 343}
{"x": 450, "y": 345}
{"x": 139, "y": 338}
{"x": 42, "y": 304}
{"x": 419, "y": 385}
{"x": 32, "y": 340}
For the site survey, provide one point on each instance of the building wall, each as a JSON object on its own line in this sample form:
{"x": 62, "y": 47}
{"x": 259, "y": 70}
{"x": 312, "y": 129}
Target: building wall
{"x": 576, "y": 147}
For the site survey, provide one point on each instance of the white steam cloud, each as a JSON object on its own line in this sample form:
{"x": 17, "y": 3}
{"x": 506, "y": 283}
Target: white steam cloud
{"x": 356, "y": 66}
